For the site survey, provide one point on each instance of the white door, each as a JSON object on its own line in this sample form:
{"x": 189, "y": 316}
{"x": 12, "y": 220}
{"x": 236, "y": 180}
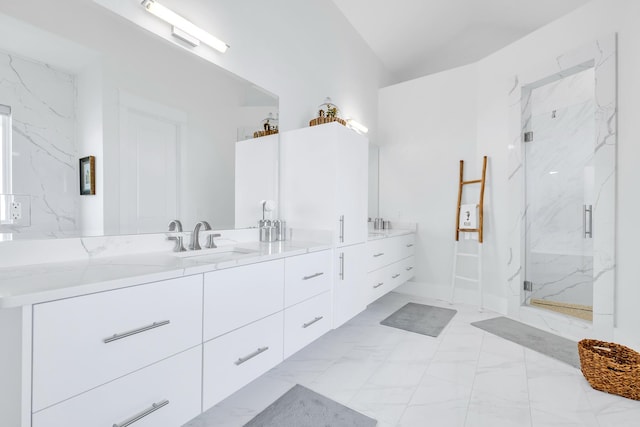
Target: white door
{"x": 149, "y": 169}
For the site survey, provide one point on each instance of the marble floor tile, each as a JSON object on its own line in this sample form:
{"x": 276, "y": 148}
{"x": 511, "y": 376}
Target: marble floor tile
{"x": 465, "y": 377}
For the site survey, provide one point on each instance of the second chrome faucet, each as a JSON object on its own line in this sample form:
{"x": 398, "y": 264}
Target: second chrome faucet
{"x": 195, "y": 237}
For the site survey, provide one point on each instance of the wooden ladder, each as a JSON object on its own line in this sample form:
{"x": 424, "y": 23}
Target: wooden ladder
{"x": 479, "y": 230}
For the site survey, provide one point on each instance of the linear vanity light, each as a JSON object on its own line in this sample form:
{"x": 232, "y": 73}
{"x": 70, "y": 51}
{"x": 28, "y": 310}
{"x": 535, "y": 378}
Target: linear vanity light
{"x": 182, "y": 28}
{"x": 357, "y": 126}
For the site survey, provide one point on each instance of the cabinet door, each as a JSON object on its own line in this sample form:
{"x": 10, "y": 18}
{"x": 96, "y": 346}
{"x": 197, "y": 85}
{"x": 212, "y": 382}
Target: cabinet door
{"x": 172, "y": 385}
{"x": 238, "y": 296}
{"x": 233, "y": 360}
{"x": 352, "y": 195}
{"x": 349, "y": 294}
{"x": 305, "y": 322}
{"x": 308, "y": 179}
{"x": 306, "y": 276}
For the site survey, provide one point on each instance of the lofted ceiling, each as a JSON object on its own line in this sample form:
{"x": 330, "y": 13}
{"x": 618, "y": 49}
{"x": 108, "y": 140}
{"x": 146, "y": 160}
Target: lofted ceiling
{"x": 414, "y": 38}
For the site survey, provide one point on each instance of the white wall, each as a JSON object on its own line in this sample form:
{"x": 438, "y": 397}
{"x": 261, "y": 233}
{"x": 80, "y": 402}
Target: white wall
{"x": 426, "y": 126}
{"x": 489, "y": 127}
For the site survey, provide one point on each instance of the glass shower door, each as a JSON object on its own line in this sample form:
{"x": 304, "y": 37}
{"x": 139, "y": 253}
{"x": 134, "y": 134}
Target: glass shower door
{"x": 559, "y": 196}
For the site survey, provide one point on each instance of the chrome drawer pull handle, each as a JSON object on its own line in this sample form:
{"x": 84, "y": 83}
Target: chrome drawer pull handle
{"x": 377, "y": 255}
{"x": 378, "y": 285}
{"x": 409, "y": 268}
{"x": 154, "y": 325}
{"x": 395, "y": 276}
{"x": 241, "y": 360}
{"x": 142, "y": 414}
{"x": 317, "y": 319}
{"x": 312, "y": 276}
{"x": 409, "y": 245}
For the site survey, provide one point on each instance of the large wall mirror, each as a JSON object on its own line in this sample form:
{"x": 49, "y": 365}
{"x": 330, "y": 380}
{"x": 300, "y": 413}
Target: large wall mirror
{"x": 161, "y": 123}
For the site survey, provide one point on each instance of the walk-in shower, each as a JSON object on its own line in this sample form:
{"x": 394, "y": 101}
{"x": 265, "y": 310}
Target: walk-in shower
{"x": 562, "y": 191}
{"x": 559, "y": 144}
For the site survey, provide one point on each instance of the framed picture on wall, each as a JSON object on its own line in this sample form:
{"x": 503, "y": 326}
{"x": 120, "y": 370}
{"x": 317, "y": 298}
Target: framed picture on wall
{"x": 88, "y": 175}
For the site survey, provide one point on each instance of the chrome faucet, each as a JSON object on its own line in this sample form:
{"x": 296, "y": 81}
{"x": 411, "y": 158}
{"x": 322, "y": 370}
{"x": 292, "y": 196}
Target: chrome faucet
{"x": 195, "y": 237}
{"x": 176, "y": 225}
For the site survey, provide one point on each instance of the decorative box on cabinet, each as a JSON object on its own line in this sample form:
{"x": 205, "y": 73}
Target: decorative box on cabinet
{"x": 80, "y": 343}
{"x": 390, "y": 263}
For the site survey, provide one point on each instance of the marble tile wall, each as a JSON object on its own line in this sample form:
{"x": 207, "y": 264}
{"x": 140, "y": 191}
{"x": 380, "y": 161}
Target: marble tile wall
{"x": 45, "y": 154}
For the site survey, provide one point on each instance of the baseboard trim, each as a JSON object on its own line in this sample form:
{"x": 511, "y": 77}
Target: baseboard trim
{"x": 464, "y": 296}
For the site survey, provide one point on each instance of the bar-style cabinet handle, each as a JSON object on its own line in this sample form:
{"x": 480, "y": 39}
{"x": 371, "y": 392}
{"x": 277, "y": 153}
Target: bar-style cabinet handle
{"x": 409, "y": 268}
{"x": 241, "y": 360}
{"x": 142, "y": 414}
{"x": 378, "y": 254}
{"x": 312, "y": 276}
{"x": 395, "y": 276}
{"x": 154, "y": 325}
{"x": 341, "y": 228}
{"x": 409, "y": 245}
{"x": 317, "y": 319}
{"x": 378, "y": 285}
{"x": 342, "y": 266}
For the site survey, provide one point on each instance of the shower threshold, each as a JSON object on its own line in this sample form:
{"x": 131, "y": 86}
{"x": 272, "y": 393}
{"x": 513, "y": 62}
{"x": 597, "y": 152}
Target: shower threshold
{"x": 583, "y": 312}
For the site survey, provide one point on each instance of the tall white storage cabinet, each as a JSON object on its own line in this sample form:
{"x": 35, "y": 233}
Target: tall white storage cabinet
{"x": 324, "y": 173}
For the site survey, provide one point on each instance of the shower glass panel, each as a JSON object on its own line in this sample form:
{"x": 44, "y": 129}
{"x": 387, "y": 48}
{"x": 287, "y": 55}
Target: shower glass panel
{"x": 559, "y": 194}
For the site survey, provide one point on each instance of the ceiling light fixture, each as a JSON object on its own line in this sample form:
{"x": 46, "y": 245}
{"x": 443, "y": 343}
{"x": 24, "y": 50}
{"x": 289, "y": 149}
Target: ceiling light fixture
{"x": 357, "y": 126}
{"x": 182, "y": 28}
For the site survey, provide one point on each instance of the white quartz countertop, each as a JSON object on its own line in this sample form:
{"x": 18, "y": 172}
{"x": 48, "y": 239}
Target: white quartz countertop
{"x": 32, "y": 284}
{"x": 383, "y": 234}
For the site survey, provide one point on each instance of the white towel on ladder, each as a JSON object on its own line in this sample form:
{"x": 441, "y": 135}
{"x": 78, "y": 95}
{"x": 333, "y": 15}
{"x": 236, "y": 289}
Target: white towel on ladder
{"x": 469, "y": 219}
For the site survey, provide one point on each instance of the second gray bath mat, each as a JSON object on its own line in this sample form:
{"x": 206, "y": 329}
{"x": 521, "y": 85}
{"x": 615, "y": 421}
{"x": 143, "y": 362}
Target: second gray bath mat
{"x": 301, "y": 407}
{"x": 535, "y": 339}
{"x": 420, "y": 318}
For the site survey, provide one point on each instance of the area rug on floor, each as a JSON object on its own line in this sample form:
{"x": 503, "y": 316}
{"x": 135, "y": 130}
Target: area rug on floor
{"x": 538, "y": 340}
{"x": 301, "y": 407}
{"x": 420, "y": 318}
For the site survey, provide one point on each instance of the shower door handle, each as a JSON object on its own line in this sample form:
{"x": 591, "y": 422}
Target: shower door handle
{"x": 587, "y": 221}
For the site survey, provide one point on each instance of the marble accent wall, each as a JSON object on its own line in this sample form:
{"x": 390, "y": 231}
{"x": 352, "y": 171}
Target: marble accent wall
{"x": 602, "y": 56}
{"x": 45, "y": 155}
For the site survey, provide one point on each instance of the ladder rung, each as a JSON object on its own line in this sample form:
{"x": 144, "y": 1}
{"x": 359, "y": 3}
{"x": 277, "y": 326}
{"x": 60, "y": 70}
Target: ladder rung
{"x": 470, "y": 279}
{"x": 469, "y": 230}
{"x": 475, "y": 181}
{"x": 470, "y": 255}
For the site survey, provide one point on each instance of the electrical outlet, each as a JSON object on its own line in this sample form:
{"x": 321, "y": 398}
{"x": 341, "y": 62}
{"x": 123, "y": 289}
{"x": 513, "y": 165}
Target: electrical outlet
{"x": 16, "y": 210}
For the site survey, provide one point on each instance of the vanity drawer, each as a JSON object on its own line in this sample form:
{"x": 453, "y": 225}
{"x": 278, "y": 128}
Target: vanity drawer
{"x": 82, "y": 342}
{"x": 378, "y": 284}
{"x": 379, "y": 254}
{"x": 237, "y": 296}
{"x": 408, "y": 268}
{"x": 306, "y": 322}
{"x": 306, "y": 276}
{"x": 233, "y": 360}
{"x": 176, "y": 380}
{"x": 405, "y": 245}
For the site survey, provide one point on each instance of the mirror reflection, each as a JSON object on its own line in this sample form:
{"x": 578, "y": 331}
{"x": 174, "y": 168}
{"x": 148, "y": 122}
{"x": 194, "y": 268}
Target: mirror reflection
{"x": 161, "y": 123}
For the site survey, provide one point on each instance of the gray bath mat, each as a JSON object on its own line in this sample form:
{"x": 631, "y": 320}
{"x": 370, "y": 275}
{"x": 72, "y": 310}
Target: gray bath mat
{"x": 420, "y": 318}
{"x": 535, "y": 339}
{"x": 301, "y": 407}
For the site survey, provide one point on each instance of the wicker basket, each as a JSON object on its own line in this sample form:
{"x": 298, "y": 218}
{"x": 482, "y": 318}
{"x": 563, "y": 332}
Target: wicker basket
{"x": 261, "y": 133}
{"x": 610, "y": 367}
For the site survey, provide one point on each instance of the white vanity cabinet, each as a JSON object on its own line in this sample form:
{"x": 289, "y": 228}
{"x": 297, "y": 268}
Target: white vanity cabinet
{"x": 390, "y": 263}
{"x": 243, "y": 326}
{"x": 324, "y": 173}
{"x": 80, "y": 343}
{"x": 145, "y": 337}
{"x": 307, "y": 314}
{"x": 166, "y": 394}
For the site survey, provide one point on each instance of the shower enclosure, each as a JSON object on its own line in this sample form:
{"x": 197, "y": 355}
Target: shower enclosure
{"x": 559, "y": 194}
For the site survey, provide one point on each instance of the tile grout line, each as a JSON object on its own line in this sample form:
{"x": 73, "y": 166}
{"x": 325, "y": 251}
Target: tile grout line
{"x": 466, "y": 415}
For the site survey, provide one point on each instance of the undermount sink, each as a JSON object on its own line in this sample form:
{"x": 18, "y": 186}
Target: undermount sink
{"x": 216, "y": 253}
